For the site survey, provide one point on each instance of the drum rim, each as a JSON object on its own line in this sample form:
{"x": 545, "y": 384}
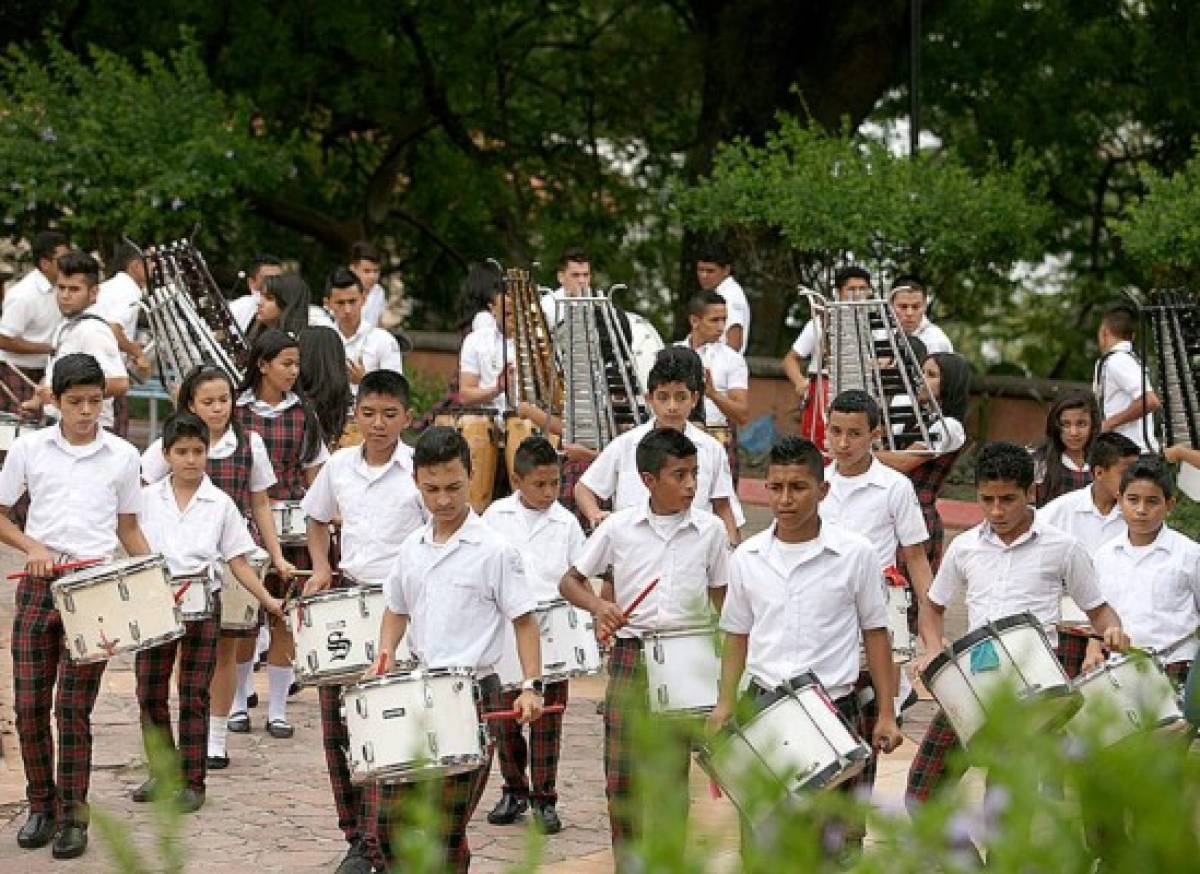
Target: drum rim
{"x": 974, "y": 637}
{"x": 689, "y": 631}
{"x": 149, "y": 643}
{"x": 104, "y": 570}
{"x": 462, "y": 764}
{"x": 344, "y": 593}
{"x": 413, "y": 676}
{"x": 285, "y": 503}
{"x": 1118, "y": 660}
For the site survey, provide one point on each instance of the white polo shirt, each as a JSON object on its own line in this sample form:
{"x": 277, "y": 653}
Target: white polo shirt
{"x": 1027, "y": 575}
{"x": 688, "y": 554}
{"x": 485, "y": 353}
{"x": 262, "y": 474}
{"x": 373, "y": 306}
{"x": 737, "y": 308}
{"x": 196, "y": 539}
{"x": 30, "y": 313}
{"x": 881, "y": 504}
{"x": 1155, "y": 589}
{"x": 1118, "y": 383}
{"x": 458, "y": 595}
{"x": 75, "y": 492}
{"x": 803, "y": 605}
{"x": 933, "y": 337}
{"x": 729, "y": 371}
{"x": 379, "y": 507}
{"x": 89, "y": 333}
{"x": 806, "y": 346}
{"x": 118, "y": 302}
{"x": 549, "y": 540}
{"x": 244, "y": 309}
{"x": 1076, "y": 513}
{"x": 373, "y": 348}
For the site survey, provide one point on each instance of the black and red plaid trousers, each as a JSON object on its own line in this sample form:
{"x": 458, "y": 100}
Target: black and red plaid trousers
{"x": 43, "y": 672}
{"x": 539, "y": 755}
{"x": 197, "y": 651}
{"x": 927, "y": 479}
{"x": 358, "y": 807}
{"x": 18, "y": 386}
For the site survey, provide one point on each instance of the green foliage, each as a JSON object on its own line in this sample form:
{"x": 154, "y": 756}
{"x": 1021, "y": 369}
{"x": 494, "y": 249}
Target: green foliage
{"x": 1161, "y": 232}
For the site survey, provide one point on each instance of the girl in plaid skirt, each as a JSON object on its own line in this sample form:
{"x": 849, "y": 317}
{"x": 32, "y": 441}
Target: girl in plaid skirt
{"x": 1061, "y": 462}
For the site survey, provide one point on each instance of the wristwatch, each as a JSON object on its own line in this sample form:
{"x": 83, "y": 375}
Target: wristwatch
{"x": 535, "y": 685}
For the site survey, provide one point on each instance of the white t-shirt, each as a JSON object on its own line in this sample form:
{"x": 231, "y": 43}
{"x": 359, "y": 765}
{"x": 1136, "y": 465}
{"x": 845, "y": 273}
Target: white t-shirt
{"x": 806, "y": 346}
{"x": 30, "y": 312}
{"x": 374, "y": 349}
{"x": 244, "y": 309}
{"x": 118, "y": 301}
{"x": 947, "y": 435}
{"x": 1118, "y": 384}
{"x": 195, "y": 540}
{"x": 737, "y": 309}
{"x": 89, "y": 333}
{"x": 729, "y": 371}
{"x": 373, "y": 306}
{"x": 1077, "y": 514}
{"x": 548, "y": 307}
{"x": 881, "y": 504}
{"x": 549, "y": 540}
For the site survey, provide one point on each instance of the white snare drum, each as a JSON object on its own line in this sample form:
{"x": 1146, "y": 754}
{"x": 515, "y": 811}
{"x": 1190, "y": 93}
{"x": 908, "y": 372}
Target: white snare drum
{"x": 239, "y": 608}
{"x": 1127, "y": 694}
{"x": 904, "y": 642}
{"x": 10, "y": 427}
{"x": 337, "y": 633}
{"x": 797, "y": 743}
{"x": 194, "y": 597}
{"x": 414, "y": 726}
{"x": 1071, "y": 614}
{"x": 123, "y": 606}
{"x": 568, "y": 644}
{"x": 290, "y": 525}
{"x": 682, "y": 668}
{"x": 1012, "y": 651}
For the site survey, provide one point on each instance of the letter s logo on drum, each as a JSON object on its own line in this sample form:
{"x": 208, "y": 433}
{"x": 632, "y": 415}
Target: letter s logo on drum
{"x": 338, "y": 646}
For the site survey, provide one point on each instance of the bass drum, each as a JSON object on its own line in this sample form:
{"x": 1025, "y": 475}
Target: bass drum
{"x": 644, "y": 346}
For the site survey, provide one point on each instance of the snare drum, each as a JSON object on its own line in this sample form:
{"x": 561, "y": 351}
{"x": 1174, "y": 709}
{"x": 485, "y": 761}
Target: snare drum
{"x": 568, "y": 645}
{"x": 899, "y": 599}
{"x": 239, "y": 608}
{"x": 336, "y": 635}
{"x": 10, "y": 427}
{"x": 123, "y": 606}
{"x": 1127, "y": 694}
{"x": 194, "y": 596}
{"x": 478, "y": 427}
{"x": 1071, "y": 615}
{"x": 290, "y": 525}
{"x": 414, "y": 726}
{"x": 682, "y": 669}
{"x": 1013, "y": 651}
{"x": 798, "y": 742}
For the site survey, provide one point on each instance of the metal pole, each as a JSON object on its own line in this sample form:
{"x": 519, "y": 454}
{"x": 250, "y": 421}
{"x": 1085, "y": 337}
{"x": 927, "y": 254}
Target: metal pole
{"x": 914, "y": 79}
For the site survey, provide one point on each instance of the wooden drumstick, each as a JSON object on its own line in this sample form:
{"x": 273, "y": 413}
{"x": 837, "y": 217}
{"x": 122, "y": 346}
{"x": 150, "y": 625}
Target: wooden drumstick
{"x": 636, "y": 603}
{"x": 62, "y": 568}
{"x": 513, "y": 714}
{"x": 182, "y": 591}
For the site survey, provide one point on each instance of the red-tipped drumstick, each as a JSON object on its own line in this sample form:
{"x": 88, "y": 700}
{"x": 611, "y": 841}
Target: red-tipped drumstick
{"x": 637, "y": 602}
{"x": 62, "y": 568}
{"x": 513, "y": 714}
{"x": 181, "y": 591}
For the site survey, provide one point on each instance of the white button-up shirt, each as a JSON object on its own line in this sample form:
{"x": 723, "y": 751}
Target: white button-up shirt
{"x": 373, "y": 306}
{"x": 1077, "y": 514}
{"x": 549, "y": 541}
{"x": 196, "y": 539}
{"x": 806, "y": 346}
{"x": 458, "y": 595}
{"x": 379, "y": 507}
{"x": 804, "y": 605}
{"x": 373, "y": 348}
{"x": 75, "y": 492}
{"x": 687, "y": 562}
{"x": 1118, "y": 383}
{"x": 549, "y": 310}
{"x": 244, "y": 309}
{"x": 881, "y": 504}
{"x": 89, "y": 332}
{"x": 262, "y": 474}
{"x": 1027, "y": 575}
{"x": 30, "y": 313}
{"x": 485, "y": 354}
{"x": 1155, "y": 590}
{"x": 933, "y": 337}
{"x": 737, "y": 310}
{"x": 118, "y": 301}
{"x": 729, "y": 371}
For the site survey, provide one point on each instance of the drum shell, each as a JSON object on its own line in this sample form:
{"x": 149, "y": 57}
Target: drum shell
{"x": 683, "y": 669}
{"x": 239, "y": 608}
{"x": 1128, "y": 694}
{"x": 290, "y": 524}
{"x": 336, "y": 634}
{"x": 196, "y": 601}
{"x": 904, "y": 642}
{"x": 568, "y": 645}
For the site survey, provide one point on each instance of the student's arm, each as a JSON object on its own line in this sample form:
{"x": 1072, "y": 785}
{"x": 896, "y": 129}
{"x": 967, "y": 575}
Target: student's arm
{"x": 733, "y": 665}
{"x": 905, "y": 462}
{"x": 795, "y": 369}
{"x": 1108, "y": 624}
{"x": 878, "y": 646}
{"x": 917, "y": 563}
{"x": 589, "y": 505}
{"x": 130, "y": 534}
{"x": 317, "y": 534}
{"x": 391, "y": 632}
{"x": 18, "y": 313}
{"x": 23, "y": 346}
{"x": 115, "y": 386}
{"x": 931, "y": 609}
{"x": 529, "y": 650}
{"x": 245, "y": 575}
{"x": 1143, "y": 406}
{"x": 575, "y": 587}
{"x": 734, "y": 404}
{"x": 264, "y": 520}
{"x": 1179, "y": 454}
{"x": 38, "y": 560}
{"x": 471, "y": 393}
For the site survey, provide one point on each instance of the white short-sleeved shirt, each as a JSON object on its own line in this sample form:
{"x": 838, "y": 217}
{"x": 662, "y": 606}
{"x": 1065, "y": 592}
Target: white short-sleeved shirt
{"x": 379, "y": 508}
{"x": 373, "y": 306}
{"x": 806, "y": 346}
{"x": 118, "y": 300}
{"x": 933, "y": 337}
{"x": 89, "y": 333}
{"x": 1118, "y": 383}
{"x": 244, "y": 309}
{"x": 549, "y": 540}
{"x": 804, "y": 605}
{"x": 318, "y": 317}
{"x": 75, "y": 492}
{"x": 1077, "y": 514}
{"x": 1028, "y": 575}
{"x": 374, "y": 349}
{"x": 274, "y": 411}
{"x": 687, "y": 562}
{"x": 484, "y": 354}
{"x": 729, "y": 372}
{"x": 458, "y": 595}
{"x": 881, "y": 504}
{"x": 549, "y": 310}
{"x": 614, "y": 473}
{"x": 737, "y": 309}
{"x": 262, "y": 474}
{"x": 195, "y": 540}
{"x": 1155, "y": 589}
{"x": 30, "y": 313}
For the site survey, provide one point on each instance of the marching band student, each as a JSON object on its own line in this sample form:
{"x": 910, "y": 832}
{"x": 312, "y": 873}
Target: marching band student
{"x": 452, "y": 588}
{"x": 194, "y": 526}
{"x": 1127, "y": 400}
{"x": 245, "y": 308}
{"x": 662, "y": 536}
{"x": 370, "y": 489}
{"x": 909, "y": 302}
{"x": 549, "y": 539}
{"x": 84, "y": 497}
{"x": 324, "y": 383}
{"x": 283, "y": 305}
{"x": 367, "y": 348}
{"x": 29, "y": 318}
{"x": 1012, "y": 562}
{"x": 1060, "y": 463}
{"x": 290, "y": 431}
{"x": 487, "y": 358}
{"x": 615, "y": 473}
{"x": 238, "y": 464}
{"x": 365, "y": 263}
{"x": 119, "y": 303}
{"x": 714, "y": 272}
{"x": 800, "y": 594}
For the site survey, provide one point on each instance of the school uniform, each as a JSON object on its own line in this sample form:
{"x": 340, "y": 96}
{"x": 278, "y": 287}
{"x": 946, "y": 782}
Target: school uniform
{"x": 30, "y": 313}
{"x": 737, "y": 311}
{"x": 194, "y": 541}
{"x": 688, "y": 554}
{"x": 549, "y": 542}
{"x": 244, "y": 309}
{"x": 999, "y": 580}
{"x": 486, "y": 353}
{"x": 458, "y": 595}
{"x": 91, "y": 334}
{"x": 929, "y": 477}
{"x": 1120, "y": 379}
{"x": 76, "y": 494}
{"x": 373, "y": 348}
{"x": 933, "y": 337}
{"x": 729, "y": 373}
{"x": 1071, "y": 477}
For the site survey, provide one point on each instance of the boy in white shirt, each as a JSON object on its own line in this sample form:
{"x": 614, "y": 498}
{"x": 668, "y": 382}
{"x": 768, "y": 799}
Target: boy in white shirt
{"x": 1123, "y": 390}
{"x": 714, "y": 272}
{"x": 454, "y": 585}
{"x": 549, "y": 539}
{"x": 84, "y": 496}
{"x": 195, "y": 526}
{"x": 663, "y": 538}
{"x": 367, "y": 348}
{"x": 28, "y": 320}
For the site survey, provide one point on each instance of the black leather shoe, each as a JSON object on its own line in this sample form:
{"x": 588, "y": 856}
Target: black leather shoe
{"x": 293, "y": 689}
{"x": 188, "y": 800}
{"x": 218, "y": 763}
{"x": 547, "y": 819}
{"x": 70, "y": 842}
{"x": 145, "y": 792}
{"x": 252, "y": 700}
{"x": 507, "y": 809}
{"x": 356, "y": 861}
{"x": 238, "y": 723}
{"x": 280, "y": 728}
{"x": 37, "y": 831}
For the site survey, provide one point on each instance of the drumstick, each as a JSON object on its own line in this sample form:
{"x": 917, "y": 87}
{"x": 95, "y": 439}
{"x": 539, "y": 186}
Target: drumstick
{"x": 513, "y": 714}
{"x": 61, "y": 568}
{"x": 182, "y": 590}
{"x": 636, "y": 602}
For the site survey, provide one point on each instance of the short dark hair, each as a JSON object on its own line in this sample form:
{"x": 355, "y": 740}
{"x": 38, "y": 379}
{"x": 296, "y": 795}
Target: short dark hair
{"x": 798, "y": 450}
{"x": 907, "y": 282}
{"x": 534, "y": 451}
{"x": 1151, "y": 468}
{"x": 123, "y": 255}
{"x": 573, "y": 253}
{"x": 698, "y": 303}
{"x": 676, "y": 364}
{"x": 181, "y": 426}
{"x": 75, "y": 370}
{"x": 1121, "y": 319}
{"x": 43, "y": 244}
{"x": 385, "y": 382}
{"x": 658, "y": 445}
{"x": 1109, "y": 448}
{"x": 78, "y": 263}
{"x": 714, "y": 253}
{"x": 364, "y": 251}
{"x": 259, "y": 261}
{"x": 847, "y": 273}
{"x": 1004, "y": 462}
{"x": 441, "y": 444}
{"x": 855, "y": 400}
{"x": 342, "y": 277}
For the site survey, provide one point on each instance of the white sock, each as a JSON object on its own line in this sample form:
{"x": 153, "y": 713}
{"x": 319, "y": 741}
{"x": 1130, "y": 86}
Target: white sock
{"x": 245, "y": 685}
{"x": 279, "y": 680}
{"x": 264, "y": 641}
{"x": 905, "y": 689}
{"x": 217, "y": 732}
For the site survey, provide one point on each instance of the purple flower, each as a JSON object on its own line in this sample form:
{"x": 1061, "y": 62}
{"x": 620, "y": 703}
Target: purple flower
{"x": 49, "y": 136}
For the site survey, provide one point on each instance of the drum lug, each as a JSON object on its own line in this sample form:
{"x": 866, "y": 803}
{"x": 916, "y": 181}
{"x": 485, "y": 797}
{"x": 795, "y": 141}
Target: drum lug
{"x": 314, "y": 663}
{"x": 305, "y": 617}
{"x": 368, "y": 752}
{"x": 428, "y": 697}
{"x": 657, "y": 652}
{"x": 80, "y": 646}
{"x": 68, "y": 602}
{"x": 135, "y": 631}
{"x": 664, "y": 697}
{"x": 363, "y": 608}
{"x": 123, "y": 590}
{"x": 433, "y": 744}
{"x": 572, "y": 618}
{"x": 580, "y": 656}
{"x": 360, "y": 706}
{"x": 369, "y": 646}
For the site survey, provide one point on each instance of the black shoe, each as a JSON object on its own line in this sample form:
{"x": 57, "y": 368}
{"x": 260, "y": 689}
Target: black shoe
{"x": 37, "y": 831}
{"x": 188, "y": 800}
{"x": 280, "y": 728}
{"x": 252, "y": 700}
{"x": 218, "y": 763}
{"x": 356, "y": 861}
{"x": 145, "y": 792}
{"x": 547, "y": 819}
{"x": 239, "y": 722}
{"x": 507, "y": 809}
{"x": 293, "y": 689}
{"x": 70, "y": 842}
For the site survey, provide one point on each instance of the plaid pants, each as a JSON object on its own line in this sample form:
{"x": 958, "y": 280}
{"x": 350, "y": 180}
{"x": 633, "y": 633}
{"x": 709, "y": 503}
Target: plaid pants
{"x": 358, "y": 807}
{"x": 197, "y": 651}
{"x": 540, "y": 754}
{"x": 41, "y": 667}
{"x": 1072, "y": 650}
